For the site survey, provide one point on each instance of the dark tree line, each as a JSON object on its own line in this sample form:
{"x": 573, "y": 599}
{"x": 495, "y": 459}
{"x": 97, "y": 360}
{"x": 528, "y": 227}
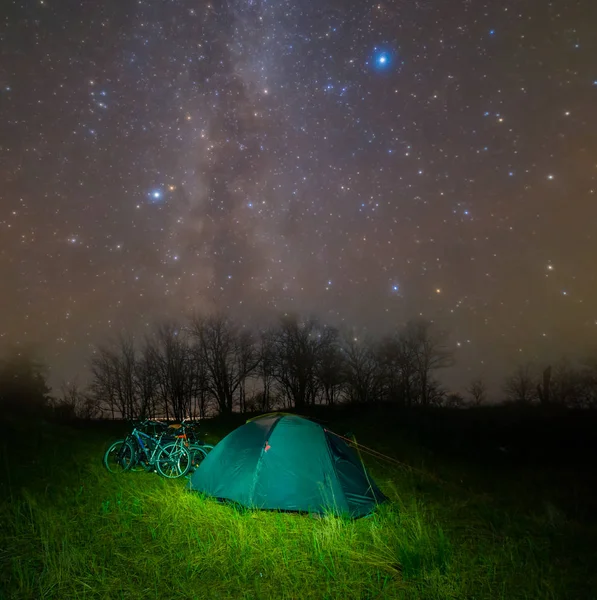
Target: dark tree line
{"x": 211, "y": 364}
{"x": 563, "y": 384}
{"x": 214, "y": 365}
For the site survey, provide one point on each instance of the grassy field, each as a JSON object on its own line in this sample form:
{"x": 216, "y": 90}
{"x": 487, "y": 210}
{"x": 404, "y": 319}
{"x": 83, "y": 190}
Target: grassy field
{"x": 465, "y": 524}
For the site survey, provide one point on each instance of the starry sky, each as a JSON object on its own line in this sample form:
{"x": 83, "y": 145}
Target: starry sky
{"x": 366, "y": 162}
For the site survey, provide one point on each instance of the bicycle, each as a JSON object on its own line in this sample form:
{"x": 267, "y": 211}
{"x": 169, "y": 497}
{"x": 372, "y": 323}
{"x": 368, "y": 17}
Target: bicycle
{"x": 190, "y": 438}
{"x": 170, "y": 459}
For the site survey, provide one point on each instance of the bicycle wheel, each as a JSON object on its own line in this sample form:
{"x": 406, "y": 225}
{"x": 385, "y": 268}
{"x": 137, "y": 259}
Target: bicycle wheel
{"x": 119, "y": 457}
{"x": 173, "y": 461}
{"x": 198, "y": 453}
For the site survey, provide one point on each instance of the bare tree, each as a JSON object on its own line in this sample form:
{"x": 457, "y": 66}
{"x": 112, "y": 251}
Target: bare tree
{"x": 478, "y": 391}
{"x": 408, "y": 359}
{"x": 122, "y": 360}
{"x": 175, "y": 369}
{"x": 438, "y": 396}
{"x": 70, "y": 394}
{"x": 544, "y": 389}
{"x": 103, "y": 381}
{"x": 89, "y": 408}
{"x": 227, "y": 355}
{"x": 426, "y": 347}
{"x": 396, "y": 359}
{"x": 575, "y": 387}
{"x": 76, "y": 401}
{"x": 361, "y": 370}
{"x": 113, "y": 370}
{"x": 296, "y": 347}
{"x": 265, "y": 369}
{"x": 520, "y": 386}
{"x": 247, "y": 361}
{"x": 201, "y": 392}
{"x": 146, "y": 381}
{"x": 453, "y": 400}
{"x": 330, "y": 365}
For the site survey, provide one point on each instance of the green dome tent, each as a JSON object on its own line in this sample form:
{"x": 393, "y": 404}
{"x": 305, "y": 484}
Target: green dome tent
{"x": 286, "y": 462}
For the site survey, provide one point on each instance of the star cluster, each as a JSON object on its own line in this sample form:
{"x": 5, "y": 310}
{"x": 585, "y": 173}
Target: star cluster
{"x": 366, "y": 162}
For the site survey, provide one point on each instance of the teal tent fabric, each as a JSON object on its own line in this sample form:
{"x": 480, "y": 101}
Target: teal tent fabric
{"x": 287, "y": 462}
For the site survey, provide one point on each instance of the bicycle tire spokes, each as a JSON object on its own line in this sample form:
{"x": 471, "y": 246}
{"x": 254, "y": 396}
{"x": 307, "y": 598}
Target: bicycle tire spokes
{"x": 173, "y": 461}
{"x": 119, "y": 457}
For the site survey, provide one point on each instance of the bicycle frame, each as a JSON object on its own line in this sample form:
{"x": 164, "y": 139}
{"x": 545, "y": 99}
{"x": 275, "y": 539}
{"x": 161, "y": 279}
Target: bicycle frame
{"x": 147, "y": 450}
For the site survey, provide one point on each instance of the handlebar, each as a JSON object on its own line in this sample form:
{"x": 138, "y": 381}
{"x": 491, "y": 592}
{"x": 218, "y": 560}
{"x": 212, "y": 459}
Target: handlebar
{"x": 185, "y": 423}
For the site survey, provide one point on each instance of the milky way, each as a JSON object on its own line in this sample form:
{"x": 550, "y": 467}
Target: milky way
{"x": 366, "y": 162}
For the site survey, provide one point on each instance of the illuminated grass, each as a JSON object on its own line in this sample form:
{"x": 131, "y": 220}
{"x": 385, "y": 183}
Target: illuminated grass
{"x": 71, "y": 530}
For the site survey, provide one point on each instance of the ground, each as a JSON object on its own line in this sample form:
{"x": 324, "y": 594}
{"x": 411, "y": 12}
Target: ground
{"x": 484, "y": 504}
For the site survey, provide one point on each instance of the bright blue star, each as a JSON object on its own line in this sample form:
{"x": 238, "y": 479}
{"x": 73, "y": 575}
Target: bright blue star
{"x": 382, "y": 59}
{"x": 155, "y": 195}
{"x": 492, "y": 32}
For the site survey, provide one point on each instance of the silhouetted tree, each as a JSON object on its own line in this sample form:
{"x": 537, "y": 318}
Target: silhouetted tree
{"x": 544, "y": 388}
{"x": 361, "y": 370}
{"x": 71, "y": 396}
{"x": 397, "y": 370}
{"x": 174, "y": 366}
{"x": 76, "y": 402}
{"x": 296, "y": 353}
{"x": 453, "y": 400}
{"x": 146, "y": 381}
{"x": 478, "y": 391}
{"x": 520, "y": 386}
{"x": 114, "y": 372}
{"x": 23, "y": 383}
{"x": 329, "y": 369}
{"x": 265, "y": 369}
{"x": 124, "y": 359}
{"x": 426, "y": 347}
{"x": 437, "y": 395}
{"x": 103, "y": 380}
{"x": 201, "y": 393}
{"x": 586, "y": 388}
{"x": 228, "y": 357}
{"x": 408, "y": 359}
{"x": 248, "y": 360}
{"x": 573, "y": 386}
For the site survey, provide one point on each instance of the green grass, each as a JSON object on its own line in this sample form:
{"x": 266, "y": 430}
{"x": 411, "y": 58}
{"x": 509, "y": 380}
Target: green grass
{"x": 71, "y": 530}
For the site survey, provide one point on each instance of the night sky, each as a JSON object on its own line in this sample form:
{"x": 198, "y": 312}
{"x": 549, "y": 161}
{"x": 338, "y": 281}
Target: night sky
{"x": 366, "y": 162}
